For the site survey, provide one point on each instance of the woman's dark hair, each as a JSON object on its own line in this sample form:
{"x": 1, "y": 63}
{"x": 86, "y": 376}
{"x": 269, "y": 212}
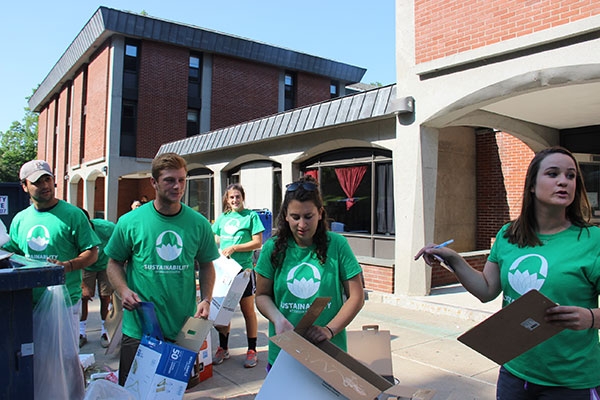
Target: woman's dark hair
{"x": 523, "y": 230}
{"x": 233, "y": 186}
{"x": 304, "y": 189}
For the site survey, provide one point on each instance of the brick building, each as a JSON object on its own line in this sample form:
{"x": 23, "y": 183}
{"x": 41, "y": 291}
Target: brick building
{"x": 442, "y": 154}
{"x": 129, "y": 83}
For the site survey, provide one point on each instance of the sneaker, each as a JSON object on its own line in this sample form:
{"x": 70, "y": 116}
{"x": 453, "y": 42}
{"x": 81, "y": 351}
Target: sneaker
{"x": 251, "y": 359}
{"x": 104, "y": 342}
{"x": 220, "y": 356}
{"x": 82, "y": 340}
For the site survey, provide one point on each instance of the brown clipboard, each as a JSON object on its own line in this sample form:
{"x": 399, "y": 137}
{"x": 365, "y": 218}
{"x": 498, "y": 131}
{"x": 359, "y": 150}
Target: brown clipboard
{"x": 513, "y": 330}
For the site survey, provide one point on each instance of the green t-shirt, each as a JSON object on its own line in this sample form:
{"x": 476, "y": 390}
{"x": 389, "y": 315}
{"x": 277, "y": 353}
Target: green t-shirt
{"x": 566, "y": 269}
{"x": 302, "y": 278}
{"x": 237, "y": 228}
{"x": 104, "y": 230}
{"x": 62, "y": 232}
{"x": 160, "y": 251}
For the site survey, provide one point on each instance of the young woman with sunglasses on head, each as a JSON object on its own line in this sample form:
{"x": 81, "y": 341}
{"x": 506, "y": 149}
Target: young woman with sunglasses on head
{"x": 305, "y": 261}
{"x": 553, "y": 248}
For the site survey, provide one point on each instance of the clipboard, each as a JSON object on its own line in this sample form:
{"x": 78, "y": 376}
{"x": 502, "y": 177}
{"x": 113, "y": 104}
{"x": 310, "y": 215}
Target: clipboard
{"x": 513, "y": 330}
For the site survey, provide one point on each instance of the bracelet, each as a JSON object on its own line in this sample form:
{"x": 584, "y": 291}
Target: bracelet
{"x": 206, "y": 300}
{"x": 330, "y": 331}
{"x": 70, "y": 266}
{"x": 593, "y": 318}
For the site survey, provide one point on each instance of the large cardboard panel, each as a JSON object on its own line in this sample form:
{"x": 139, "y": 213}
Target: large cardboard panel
{"x": 228, "y": 290}
{"x": 513, "y": 330}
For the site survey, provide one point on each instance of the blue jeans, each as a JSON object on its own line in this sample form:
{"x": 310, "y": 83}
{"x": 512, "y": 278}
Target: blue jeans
{"x": 512, "y": 388}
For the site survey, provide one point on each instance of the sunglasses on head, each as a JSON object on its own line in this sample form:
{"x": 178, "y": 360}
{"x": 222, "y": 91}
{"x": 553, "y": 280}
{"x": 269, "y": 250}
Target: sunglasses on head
{"x": 308, "y": 186}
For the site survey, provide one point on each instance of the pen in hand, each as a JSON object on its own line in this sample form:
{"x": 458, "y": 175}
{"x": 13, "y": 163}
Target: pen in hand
{"x": 440, "y": 259}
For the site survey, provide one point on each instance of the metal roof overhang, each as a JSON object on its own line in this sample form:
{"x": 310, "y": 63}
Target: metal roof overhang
{"x": 370, "y": 105}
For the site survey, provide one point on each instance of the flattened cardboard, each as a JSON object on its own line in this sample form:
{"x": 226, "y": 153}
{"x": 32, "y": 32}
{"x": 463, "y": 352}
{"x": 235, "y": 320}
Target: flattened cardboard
{"x": 377, "y": 355}
{"x": 324, "y": 371}
{"x": 513, "y": 330}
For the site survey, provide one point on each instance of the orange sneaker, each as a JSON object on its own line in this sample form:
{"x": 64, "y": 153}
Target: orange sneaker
{"x": 251, "y": 359}
{"x": 220, "y": 356}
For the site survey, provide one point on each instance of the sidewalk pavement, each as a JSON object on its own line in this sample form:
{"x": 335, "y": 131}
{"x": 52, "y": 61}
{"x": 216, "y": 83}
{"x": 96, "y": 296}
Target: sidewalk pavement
{"x": 425, "y": 352}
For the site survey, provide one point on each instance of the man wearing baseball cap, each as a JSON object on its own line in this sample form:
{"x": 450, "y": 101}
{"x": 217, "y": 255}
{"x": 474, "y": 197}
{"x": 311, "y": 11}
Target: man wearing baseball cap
{"x": 53, "y": 230}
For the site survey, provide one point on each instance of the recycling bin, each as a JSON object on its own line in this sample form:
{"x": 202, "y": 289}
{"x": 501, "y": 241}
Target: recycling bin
{"x": 266, "y": 217}
{"x": 18, "y": 277}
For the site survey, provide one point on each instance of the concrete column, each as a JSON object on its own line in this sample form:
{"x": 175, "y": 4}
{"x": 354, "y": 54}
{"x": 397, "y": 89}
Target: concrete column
{"x": 113, "y": 127}
{"x": 89, "y": 194}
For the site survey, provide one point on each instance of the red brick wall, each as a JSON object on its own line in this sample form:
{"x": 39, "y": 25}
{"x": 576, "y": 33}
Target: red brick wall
{"x": 312, "y": 89}
{"x": 440, "y": 276}
{"x": 162, "y": 96}
{"x": 62, "y": 148}
{"x": 76, "y": 156}
{"x": 97, "y": 105}
{"x": 502, "y": 162}
{"x": 242, "y": 91}
{"x": 444, "y": 28}
{"x": 378, "y": 278}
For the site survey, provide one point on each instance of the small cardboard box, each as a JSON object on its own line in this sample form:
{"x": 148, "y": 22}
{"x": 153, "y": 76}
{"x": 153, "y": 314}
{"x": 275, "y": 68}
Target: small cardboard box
{"x": 203, "y": 368}
{"x": 228, "y": 290}
{"x": 324, "y": 371}
{"x": 513, "y": 330}
{"x": 161, "y": 370}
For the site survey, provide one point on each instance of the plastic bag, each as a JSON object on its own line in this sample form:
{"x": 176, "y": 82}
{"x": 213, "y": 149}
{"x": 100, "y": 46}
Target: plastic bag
{"x": 57, "y": 372}
{"x": 102, "y": 389}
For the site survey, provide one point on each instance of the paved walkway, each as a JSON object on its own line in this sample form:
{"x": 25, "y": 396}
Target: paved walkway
{"x": 425, "y": 352}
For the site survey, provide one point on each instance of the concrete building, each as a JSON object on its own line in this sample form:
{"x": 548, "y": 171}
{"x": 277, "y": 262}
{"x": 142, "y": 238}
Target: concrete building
{"x": 442, "y": 154}
{"x": 130, "y": 82}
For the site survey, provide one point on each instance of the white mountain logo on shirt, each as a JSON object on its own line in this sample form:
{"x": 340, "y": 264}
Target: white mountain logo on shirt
{"x": 169, "y": 245}
{"x": 525, "y": 275}
{"x": 38, "y": 238}
{"x": 304, "y": 280}
{"x": 231, "y": 226}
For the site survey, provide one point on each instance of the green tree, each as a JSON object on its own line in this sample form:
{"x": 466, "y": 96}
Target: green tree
{"x": 18, "y": 145}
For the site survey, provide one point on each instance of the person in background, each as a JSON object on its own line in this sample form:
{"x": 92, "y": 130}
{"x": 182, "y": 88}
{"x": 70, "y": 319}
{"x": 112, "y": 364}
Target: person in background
{"x": 135, "y": 204}
{"x": 55, "y": 231}
{"x": 238, "y": 232}
{"x": 96, "y": 275}
{"x": 144, "y": 199}
{"x": 161, "y": 242}
{"x": 305, "y": 261}
{"x": 553, "y": 248}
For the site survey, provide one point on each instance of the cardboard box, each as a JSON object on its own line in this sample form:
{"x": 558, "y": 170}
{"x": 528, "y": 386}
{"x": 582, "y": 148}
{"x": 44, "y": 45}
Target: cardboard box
{"x": 161, "y": 370}
{"x": 324, "y": 371}
{"x": 228, "y": 290}
{"x": 378, "y": 354}
{"x": 203, "y": 367}
{"x": 513, "y": 330}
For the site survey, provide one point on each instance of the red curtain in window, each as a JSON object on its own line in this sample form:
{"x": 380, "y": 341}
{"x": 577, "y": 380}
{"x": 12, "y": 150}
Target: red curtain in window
{"x": 350, "y": 178}
{"x": 314, "y": 173}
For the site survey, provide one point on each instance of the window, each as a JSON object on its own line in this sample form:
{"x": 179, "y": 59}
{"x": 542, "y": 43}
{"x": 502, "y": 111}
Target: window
{"x": 130, "y": 70}
{"x": 199, "y": 194}
{"x": 334, "y": 89}
{"x": 290, "y": 91}
{"x": 194, "y": 81}
{"x": 591, "y": 178}
{"x": 193, "y": 122}
{"x": 128, "y": 128}
{"x": 357, "y": 189}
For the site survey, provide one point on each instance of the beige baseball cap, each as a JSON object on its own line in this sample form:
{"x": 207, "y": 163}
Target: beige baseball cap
{"x": 34, "y": 170}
